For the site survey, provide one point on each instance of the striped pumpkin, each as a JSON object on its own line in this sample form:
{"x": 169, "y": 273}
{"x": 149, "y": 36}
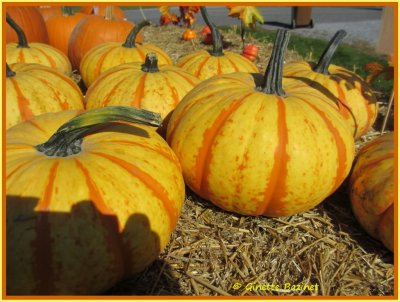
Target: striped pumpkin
{"x": 33, "y": 89}
{"x": 206, "y": 64}
{"x": 99, "y": 211}
{"x": 146, "y": 86}
{"x": 39, "y": 53}
{"x": 253, "y": 150}
{"x": 343, "y": 88}
{"x": 372, "y": 188}
{"x": 110, "y": 54}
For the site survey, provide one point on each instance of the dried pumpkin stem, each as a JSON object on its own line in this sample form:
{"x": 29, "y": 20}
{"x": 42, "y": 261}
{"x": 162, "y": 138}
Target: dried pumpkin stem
{"x": 22, "y": 41}
{"x": 151, "y": 63}
{"x": 109, "y": 15}
{"x": 66, "y": 11}
{"x": 273, "y": 73}
{"x": 130, "y": 40}
{"x": 216, "y": 36}
{"x": 68, "y": 138}
{"x": 9, "y": 72}
{"x": 326, "y": 57}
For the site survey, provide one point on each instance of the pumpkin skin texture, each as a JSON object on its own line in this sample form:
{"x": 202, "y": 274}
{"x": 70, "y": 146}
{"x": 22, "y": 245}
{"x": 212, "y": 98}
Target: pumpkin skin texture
{"x": 351, "y": 94}
{"x": 254, "y": 153}
{"x": 372, "y": 189}
{"x": 110, "y": 54}
{"x": 159, "y": 89}
{"x": 49, "y": 12}
{"x": 90, "y": 219}
{"x": 33, "y": 89}
{"x": 30, "y": 20}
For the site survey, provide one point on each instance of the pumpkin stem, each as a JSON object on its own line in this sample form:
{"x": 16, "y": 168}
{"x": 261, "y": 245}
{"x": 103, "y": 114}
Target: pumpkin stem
{"x": 273, "y": 74}
{"x": 68, "y": 138}
{"x": 9, "y": 72}
{"x": 22, "y": 41}
{"x": 326, "y": 58}
{"x": 66, "y": 11}
{"x": 130, "y": 40}
{"x": 109, "y": 12}
{"x": 216, "y": 36}
{"x": 151, "y": 63}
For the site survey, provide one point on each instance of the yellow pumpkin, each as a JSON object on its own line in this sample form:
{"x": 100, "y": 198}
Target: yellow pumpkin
{"x": 110, "y": 54}
{"x": 372, "y": 188}
{"x": 205, "y": 64}
{"x": 254, "y": 150}
{"x": 146, "y": 86}
{"x": 90, "y": 205}
{"x": 33, "y": 89}
{"x": 39, "y": 53}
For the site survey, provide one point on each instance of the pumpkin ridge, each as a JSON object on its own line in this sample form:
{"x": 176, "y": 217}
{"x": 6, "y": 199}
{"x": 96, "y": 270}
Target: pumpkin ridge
{"x": 49, "y": 58}
{"x": 183, "y": 76}
{"x": 23, "y": 102}
{"x": 172, "y": 89}
{"x": 139, "y": 92}
{"x": 99, "y": 63}
{"x": 232, "y": 63}
{"x": 63, "y": 104}
{"x": 35, "y": 125}
{"x": 149, "y": 182}
{"x": 200, "y": 67}
{"x": 107, "y": 97}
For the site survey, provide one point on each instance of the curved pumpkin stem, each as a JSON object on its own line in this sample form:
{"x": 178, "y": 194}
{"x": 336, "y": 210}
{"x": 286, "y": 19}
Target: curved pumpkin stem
{"x": 130, "y": 40}
{"x": 216, "y": 36}
{"x": 68, "y": 138}
{"x": 9, "y": 72}
{"x": 326, "y": 58}
{"x": 273, "y": 74}
{"x": 66, "y": 11}
{"x": 109, "y": 15}
{"x": 22, "y": 41}
{"x": 151, "y": 63}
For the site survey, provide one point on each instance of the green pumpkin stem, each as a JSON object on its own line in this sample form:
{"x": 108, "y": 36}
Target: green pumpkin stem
{"x": 68, "y": 138}
{"x": 9, "y": 72}
{"x": 326, "y": 58}
{"x": 22, "y": 41}
{"x": 216, "y": 36}
{"x": 109, "y": 15}
{"x": 130, "y": 40}
{"x": 273, "y": 73}
{"x": 151, "y": 63}
{"x": 66, "y": 11}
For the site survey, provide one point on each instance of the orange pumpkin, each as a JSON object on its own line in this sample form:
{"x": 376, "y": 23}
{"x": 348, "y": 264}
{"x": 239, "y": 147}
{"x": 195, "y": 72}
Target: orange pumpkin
{"x": 33, "y": 89}
{"x": 189, "y": 34}
{"x": 371, "y": 188}
{"x": 49, "y": 12}
{"x": 95, "y": 30}
{"x": 100, "y": 10}
{"x": 30, "y": 20}
{"x": 250, "y": 51}
{"x": 82, "y": 215}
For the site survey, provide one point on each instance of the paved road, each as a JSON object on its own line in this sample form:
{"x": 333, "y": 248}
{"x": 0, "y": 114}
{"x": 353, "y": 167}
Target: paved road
{"x": 361, "y": 23}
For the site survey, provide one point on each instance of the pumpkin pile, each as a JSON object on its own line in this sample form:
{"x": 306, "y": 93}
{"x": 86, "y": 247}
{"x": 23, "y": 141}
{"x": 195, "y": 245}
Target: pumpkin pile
{"x": 96, "y": 173}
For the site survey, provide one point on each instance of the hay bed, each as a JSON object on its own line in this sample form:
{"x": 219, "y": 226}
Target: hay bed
{"x": 212, "y": 251}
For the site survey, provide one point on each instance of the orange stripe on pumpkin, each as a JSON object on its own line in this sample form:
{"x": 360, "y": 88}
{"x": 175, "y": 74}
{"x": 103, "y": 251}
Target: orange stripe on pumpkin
{"x": 174, "y": 93}
{"x": 63, "y": 104}
{"x": 23, "y": 102}
{"x": 201, "y": 65}
{"x": 44, "y": 203}
{"x": 99, "y": 63}
{"x": 48, "y": 58}
{"x": 139, "y": 92}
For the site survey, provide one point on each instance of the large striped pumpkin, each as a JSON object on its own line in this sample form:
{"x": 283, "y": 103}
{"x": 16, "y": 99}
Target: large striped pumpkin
{"x": 372, "y": 188}
{"x": 84, "y": 213}
{"x": 40, "y": 53}
{"x": 147, "y": 86}
{"x": 345, "y": 89}
{"x": 253, "y": 150}
{"x": 110, "y": 54}
{"x": 206, "y": 64}
{"x": 33, "y": 89}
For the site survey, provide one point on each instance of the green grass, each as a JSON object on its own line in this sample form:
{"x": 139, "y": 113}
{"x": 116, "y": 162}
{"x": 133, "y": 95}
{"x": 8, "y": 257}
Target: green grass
{"x": 350, "y": 57}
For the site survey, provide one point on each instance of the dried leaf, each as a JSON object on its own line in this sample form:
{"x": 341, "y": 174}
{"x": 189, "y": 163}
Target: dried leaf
{"x": 249, "y": 15}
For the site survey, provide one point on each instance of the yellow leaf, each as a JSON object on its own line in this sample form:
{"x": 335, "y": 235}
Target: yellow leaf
{"x": 249, "y": 15}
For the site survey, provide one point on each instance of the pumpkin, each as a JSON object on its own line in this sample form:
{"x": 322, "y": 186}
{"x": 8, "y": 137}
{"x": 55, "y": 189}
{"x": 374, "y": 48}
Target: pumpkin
{"x": 250, "y": 51}
{"x": 189, "y": 34}
{"x": 255, "y": 149}
{"x": 205, "y": 64}
{"x": 351, "y": 94}
{"x": 60, "y": 28}
{"x": 30, "y": 20}
{"x": 95, "y": 30}
{"x": 37, "y": 52}
{"x": 371, "y": 188}
{"x": 110, "y": 54}
{"x": 142, "y": 85}
{"x": 49, "y": 12}
{"x": 33, "y": 89}
{"x": 117, "y": 12}
{"x": 90, "y": 204}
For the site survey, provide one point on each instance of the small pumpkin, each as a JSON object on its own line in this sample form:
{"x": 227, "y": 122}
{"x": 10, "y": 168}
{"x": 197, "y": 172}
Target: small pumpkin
{"x": 206, "y": 64}
{"x": 33, "y": 89}
{"x": 95, "y": 30}
{"x": 142, "y": 85}
{"x": 101, "y": 10}
{"x": 345, "y": 89}
{"x": 250, "y": 51}
{"x": 250, "y": 147}
{"x": 39, "y": 53}
{"x": 90, "y": 200}
{"x": 371, "y": 188}
{"x": 110, "y": 54}
{"x": 189, "y": 34}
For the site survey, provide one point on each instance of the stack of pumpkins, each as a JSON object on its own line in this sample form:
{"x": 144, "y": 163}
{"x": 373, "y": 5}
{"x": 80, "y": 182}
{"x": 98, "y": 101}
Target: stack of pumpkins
{"x": 94, "y": 192}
